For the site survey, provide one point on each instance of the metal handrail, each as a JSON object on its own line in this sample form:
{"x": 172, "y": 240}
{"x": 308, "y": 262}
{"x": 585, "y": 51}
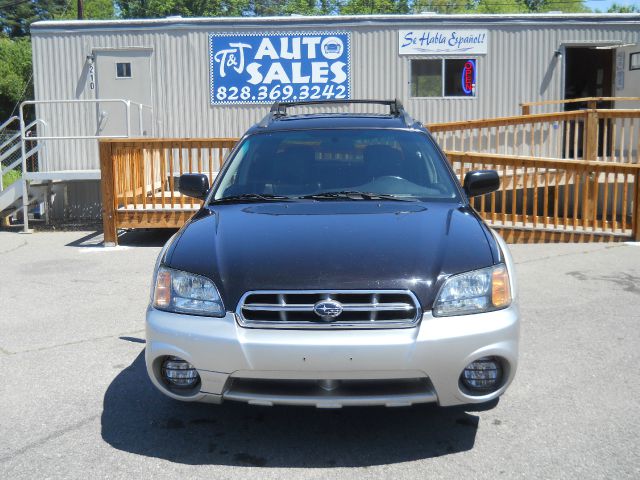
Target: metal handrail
{"x": 8, "y": 152}
{"x": 13, "y": 165}
{"x": 40, "y": 134}
{"x": 8, "y": 122}
{"x": 13, "y": 137}
{"x": 126, "y": 103}
{"x": 141, "y": 107}
{"x": 28, "y": 154}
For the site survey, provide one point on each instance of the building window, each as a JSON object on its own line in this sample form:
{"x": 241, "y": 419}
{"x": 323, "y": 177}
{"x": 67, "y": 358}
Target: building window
{"x": 449, "y": 77}
{"x": 634, "y": 61}
{"x": 123, "y": 70}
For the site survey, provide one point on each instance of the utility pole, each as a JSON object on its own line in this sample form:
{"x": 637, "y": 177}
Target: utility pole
{"x": 80, "y": 10}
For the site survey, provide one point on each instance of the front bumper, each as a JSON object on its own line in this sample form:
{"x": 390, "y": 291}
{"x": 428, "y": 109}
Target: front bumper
{"x": 390, "y": 367}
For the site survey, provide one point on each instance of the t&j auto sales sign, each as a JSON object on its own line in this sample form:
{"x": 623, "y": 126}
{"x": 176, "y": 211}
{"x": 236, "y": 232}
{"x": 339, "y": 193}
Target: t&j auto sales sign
{"x": 256, "y": 68}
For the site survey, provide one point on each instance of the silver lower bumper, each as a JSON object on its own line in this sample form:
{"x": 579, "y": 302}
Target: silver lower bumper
{"x": 393, "y": 367}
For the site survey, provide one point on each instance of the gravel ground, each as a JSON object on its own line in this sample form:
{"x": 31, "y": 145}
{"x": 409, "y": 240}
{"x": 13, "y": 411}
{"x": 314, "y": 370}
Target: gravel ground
{"x": 75, "y": 401}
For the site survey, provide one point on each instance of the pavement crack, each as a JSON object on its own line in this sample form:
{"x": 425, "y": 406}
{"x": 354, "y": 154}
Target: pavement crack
{"x": 52, "y": 436}
{"x": 77, "y": 342}
{"x": 23, "y": 244}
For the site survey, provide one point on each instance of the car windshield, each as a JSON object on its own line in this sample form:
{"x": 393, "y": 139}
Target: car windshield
{"x": 355, "y": 164}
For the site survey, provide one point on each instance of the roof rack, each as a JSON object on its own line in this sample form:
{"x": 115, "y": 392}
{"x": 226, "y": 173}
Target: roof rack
{"x": 279, "y": 109}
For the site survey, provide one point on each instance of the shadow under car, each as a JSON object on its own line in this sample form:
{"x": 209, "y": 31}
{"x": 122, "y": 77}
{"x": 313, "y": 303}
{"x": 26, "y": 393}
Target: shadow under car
{"x": 137, "y": 418}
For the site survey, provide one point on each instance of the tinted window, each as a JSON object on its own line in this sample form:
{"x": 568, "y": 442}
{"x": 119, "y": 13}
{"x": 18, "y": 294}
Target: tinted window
{"x": 295, "y": 163}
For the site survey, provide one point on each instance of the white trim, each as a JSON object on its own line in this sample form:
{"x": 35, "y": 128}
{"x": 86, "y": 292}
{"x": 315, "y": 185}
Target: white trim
{"x": 65, "y": 175}
{"x": 365, "y": 20}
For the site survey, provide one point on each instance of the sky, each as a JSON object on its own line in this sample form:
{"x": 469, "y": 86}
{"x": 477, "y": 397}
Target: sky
{"x": 603, "y": 5}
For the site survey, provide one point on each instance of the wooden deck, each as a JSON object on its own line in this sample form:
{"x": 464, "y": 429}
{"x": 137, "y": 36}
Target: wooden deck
{"x": 578, "y": 180}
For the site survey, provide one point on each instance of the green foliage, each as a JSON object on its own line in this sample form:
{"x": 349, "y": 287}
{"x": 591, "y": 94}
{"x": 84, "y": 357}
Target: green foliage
{"x": 616, "y": 8}
{"x": 15, "y": 73}
{"x": 10, "y": 177}
{"x": 442, "y": 6}
{"x": 497, "y": 6}
{"x": 186, "y": 8}
{"x": 257, "y": 8}
{"x": 219, "y": 8}
{"x": 355, "y": 7}
{"x": 16, "y": 16}
{"x": 502, "y": 6}
{"x": 93, "y": 10}
{"x": 566, "y": 6}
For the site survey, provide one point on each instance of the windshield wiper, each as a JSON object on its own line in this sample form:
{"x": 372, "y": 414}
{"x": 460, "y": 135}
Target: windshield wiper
{"x": 357, "y": 195}
{"x": 251, "y": 197}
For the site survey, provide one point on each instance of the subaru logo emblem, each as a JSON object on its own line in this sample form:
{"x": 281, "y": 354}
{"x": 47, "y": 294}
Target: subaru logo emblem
{"x": 327, "y": 309}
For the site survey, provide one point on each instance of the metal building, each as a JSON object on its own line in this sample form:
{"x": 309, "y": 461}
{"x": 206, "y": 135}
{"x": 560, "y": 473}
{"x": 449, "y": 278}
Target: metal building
{"x": 214, "y": 77}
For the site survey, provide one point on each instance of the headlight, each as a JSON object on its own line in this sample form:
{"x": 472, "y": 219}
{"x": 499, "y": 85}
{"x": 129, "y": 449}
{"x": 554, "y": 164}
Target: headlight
{"x": 474, "y": 292}
{"x": 182, "y": 292}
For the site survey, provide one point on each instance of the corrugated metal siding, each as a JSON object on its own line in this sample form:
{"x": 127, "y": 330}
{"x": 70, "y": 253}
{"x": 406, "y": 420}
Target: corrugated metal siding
{"x": 520, "y": 66}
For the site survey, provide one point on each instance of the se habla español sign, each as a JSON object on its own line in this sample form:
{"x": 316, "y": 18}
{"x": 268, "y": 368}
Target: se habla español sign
{"x": 442, "y": 42}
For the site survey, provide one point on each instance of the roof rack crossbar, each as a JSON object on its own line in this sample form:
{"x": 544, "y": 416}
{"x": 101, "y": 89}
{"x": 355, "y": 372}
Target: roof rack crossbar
{"x": 279, "y": 109}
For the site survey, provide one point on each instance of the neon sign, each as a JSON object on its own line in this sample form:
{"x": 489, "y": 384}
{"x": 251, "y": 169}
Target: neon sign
{"x": 469, "y": 77}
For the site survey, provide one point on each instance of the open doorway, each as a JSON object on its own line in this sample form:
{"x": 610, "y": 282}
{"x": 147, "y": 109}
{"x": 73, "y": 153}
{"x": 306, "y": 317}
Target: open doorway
{"x": 588, "y": 73}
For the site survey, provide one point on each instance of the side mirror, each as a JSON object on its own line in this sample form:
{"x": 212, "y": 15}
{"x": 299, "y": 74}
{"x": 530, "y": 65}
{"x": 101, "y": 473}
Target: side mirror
{"x": 480, "y": 182}
{"x": 194, "y": 185}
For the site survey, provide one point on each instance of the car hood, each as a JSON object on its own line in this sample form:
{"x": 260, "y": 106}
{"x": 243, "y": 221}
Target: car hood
{"x": 355, "y": 245}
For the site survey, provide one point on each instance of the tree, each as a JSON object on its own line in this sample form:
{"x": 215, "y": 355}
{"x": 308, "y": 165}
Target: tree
{"x": 617, "y": 8}
{"x": 441, "y": 6}
{"x": 228, "y": 8}
{"x": 15, "y": 74}
{"x": 501, "y": 6}
{"x": 185, "y": 8}
{"x": 17, "y": 15}
{"x": 369, "y": 7}
{"x": 93, "y": 10}
{"x": 566, "y": 6}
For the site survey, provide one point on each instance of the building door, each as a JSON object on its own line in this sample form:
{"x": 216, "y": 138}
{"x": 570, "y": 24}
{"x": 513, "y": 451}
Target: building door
{"x": 588, "y": 73}
{"x": 124, "y": 74}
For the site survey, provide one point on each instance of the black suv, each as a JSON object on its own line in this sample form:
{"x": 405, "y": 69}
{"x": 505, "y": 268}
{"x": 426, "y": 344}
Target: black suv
{"x": 336, "y": 261}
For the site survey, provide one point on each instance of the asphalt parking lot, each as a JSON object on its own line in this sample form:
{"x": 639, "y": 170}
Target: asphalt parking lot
{"x": 75, "y": 401}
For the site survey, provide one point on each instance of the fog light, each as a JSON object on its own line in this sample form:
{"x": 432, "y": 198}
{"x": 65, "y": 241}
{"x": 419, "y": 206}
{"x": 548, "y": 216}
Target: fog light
{"x": 179, "y": 373}
{"x": 483, "y": 375}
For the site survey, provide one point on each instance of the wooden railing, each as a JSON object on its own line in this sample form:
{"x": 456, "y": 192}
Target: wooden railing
{"x": 606, "y": 135}
{"x": 590, "y": 102}
{"x": 557, "y": 200}
{"x": 140, "y": 180}
{"x": 576, "y": 189}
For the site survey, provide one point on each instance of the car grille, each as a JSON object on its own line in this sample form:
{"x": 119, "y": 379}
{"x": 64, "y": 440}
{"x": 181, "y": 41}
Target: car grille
{"x": 360, "y": 309}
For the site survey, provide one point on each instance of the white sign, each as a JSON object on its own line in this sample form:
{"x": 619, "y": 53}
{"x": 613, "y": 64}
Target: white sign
{"x": 439, "y": 42}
